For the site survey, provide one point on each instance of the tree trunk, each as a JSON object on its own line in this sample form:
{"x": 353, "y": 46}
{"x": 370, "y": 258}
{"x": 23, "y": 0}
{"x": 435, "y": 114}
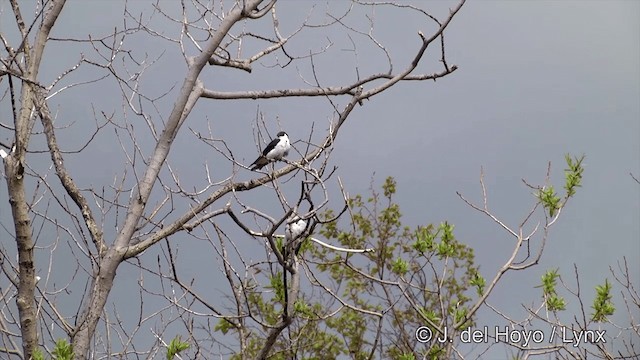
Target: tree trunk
{"x": 101, "y": 287}
{"x": 22, "y": 225}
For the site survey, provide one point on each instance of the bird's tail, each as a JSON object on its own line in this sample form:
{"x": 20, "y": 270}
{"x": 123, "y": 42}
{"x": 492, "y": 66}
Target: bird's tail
{"x": 259, "y": 163}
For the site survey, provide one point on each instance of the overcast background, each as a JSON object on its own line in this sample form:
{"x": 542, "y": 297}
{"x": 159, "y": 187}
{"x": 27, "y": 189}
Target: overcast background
{"x": 536, "y": 80}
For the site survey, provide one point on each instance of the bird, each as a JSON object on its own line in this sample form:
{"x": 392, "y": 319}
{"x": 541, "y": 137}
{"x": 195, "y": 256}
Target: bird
{"x": 295, "y": 227}
{"x": 293, "y": 233}
{"x": 276, "y": 150}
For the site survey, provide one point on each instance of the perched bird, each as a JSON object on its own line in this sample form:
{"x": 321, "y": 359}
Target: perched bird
{"x": 295, "y": 227}
{"x": 276, "y": 150}
{"x": 293, "y": 233}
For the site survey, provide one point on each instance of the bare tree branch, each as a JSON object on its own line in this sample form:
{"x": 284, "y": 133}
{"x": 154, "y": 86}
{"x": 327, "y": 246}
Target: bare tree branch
{"x": 102, "y": 282}
{"x": 65, "y": 178}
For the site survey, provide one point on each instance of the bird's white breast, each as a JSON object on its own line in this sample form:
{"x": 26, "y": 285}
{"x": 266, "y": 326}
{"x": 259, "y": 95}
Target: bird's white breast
{"x": 295, "y": 229}
{"x": 280, "y": 150}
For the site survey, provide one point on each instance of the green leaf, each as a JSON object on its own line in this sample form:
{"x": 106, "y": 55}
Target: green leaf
{"x": 277, "y": 284}
{"x": 63, "y": 350}
{"x": 407, "y": 356}
{"x": 549, "y": 199}
{"x": 37, "y": 355}
{"x": 479, "y": 282}
{"x": 400, "y": 266}
{"x": 573, "y": 174}
{"x": 223, "y": 325}
{"x": 175, "y": 347}
{"x": 553, "y": 302}
{"x": 602, "y": 304}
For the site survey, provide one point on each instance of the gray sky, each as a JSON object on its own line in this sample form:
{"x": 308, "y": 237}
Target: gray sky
{"x": 537, "y": 80}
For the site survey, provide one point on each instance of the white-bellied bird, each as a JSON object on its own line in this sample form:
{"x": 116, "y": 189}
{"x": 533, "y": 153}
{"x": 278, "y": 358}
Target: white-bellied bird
{"x": 294, "y": 228}
{"x": 276, "y": 150}
{"x": 293, "y": 235}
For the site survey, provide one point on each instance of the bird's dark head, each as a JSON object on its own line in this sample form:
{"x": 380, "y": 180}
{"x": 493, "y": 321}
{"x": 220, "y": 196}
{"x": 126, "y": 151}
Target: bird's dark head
{"x": 282, "y": 133}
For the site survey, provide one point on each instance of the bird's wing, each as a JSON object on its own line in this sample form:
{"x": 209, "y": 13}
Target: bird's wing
{"x": 270, "y": 147}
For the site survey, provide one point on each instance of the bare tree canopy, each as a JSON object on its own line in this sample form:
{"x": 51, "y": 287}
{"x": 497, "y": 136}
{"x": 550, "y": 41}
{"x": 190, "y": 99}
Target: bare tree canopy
{"x": 116, "y": 199}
